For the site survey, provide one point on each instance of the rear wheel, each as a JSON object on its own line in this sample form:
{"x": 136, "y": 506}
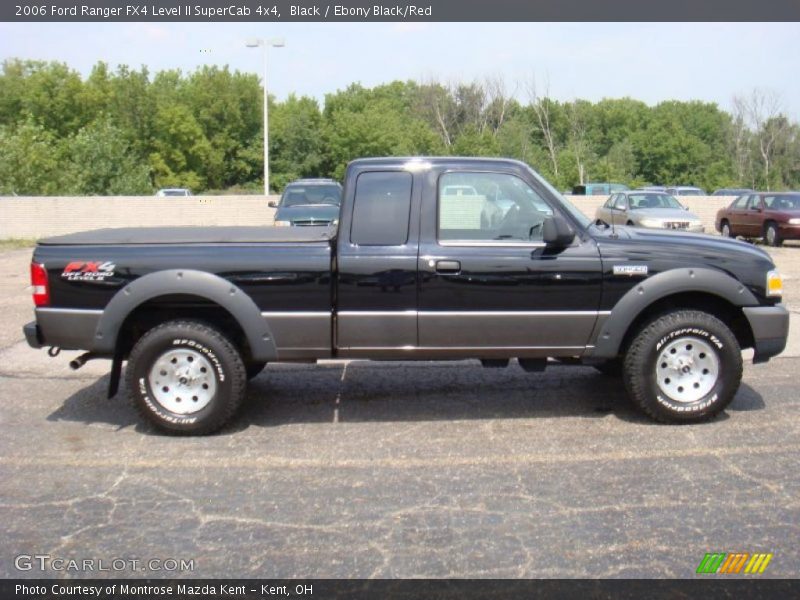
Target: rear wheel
{"x": 726, "y": 229}
{"x": 186, "y": 378}
{"x": 683, "y": 367}
{"x": 772, "y": 236}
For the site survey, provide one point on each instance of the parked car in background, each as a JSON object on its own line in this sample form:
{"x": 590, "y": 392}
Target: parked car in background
{"x": 732, "y": 192}
{"x": 685, "y": 190}
{"x": 654, "y": 210}
{"x": 173, "y": 192}
{"x": 774, "y": 216}
{"x": 309, "y": 202}
{"x": 598, "y": 189}
{"x": 652, "y": 188}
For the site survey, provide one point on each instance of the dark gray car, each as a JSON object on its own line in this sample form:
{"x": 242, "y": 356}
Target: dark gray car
{"x": 309, "y": 202}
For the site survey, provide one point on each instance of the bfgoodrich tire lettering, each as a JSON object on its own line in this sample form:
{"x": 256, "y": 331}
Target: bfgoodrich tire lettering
{"x": 691, "y": 346}
{"x": 161, "y": 352}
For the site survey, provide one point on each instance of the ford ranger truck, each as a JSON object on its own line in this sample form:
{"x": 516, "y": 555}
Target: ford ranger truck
{"x": 433, "y": 258}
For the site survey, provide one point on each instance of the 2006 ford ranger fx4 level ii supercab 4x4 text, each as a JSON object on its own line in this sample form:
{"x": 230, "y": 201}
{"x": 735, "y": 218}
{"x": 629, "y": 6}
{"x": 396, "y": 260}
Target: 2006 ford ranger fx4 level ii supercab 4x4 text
{"x": 434, "y": 258}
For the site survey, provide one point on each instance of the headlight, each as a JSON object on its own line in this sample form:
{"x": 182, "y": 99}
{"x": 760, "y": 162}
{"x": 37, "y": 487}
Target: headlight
{"x": 774, "y": 284}
{"x": 651, "y": 223}
{"x": 794, "y": 221}
{"x": 282, "y": 223}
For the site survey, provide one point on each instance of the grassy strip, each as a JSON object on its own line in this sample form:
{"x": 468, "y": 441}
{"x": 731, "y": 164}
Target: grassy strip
{"x": 13, "y": 244}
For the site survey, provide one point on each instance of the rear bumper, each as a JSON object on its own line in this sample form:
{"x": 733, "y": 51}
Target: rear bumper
{"x": 770, "y": 326}
{"x": 66, "y": 328}
{"x": 31, "y": 331}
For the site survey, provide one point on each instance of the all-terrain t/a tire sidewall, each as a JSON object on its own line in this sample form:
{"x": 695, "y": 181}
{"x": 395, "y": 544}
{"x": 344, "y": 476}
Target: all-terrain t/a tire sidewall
{"x": 643, "y": 354}
{"x": 227, "y": 368}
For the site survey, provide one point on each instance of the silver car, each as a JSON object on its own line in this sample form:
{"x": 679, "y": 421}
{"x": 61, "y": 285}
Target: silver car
{"x": 655, "y": 210}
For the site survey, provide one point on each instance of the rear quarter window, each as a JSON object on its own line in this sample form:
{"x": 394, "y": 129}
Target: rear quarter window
{"x": 381, "y": 209}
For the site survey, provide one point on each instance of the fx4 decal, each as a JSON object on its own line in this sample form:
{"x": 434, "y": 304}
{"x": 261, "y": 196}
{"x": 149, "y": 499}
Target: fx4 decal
{"x": 88, "y": 271}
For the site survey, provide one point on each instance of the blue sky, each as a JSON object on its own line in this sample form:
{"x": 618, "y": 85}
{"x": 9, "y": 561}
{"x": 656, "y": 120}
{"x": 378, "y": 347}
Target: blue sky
{"x": 647, "y": 61}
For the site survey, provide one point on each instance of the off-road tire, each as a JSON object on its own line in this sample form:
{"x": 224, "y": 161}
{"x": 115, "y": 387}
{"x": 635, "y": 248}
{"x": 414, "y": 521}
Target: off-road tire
{"x": 640, "y": 366}
{"x": 227, "y": 370}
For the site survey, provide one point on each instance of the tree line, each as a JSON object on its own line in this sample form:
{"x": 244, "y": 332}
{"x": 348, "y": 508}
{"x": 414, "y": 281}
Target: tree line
{"x": 127, "y": 131}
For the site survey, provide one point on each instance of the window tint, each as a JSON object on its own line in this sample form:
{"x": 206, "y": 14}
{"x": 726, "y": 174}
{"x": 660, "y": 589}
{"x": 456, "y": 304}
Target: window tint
{"x": 381, "y": 209}
{"x": 499, "y": 207}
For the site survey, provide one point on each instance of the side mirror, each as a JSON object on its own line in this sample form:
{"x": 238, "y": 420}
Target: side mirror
{"x": 272, "y": 204}
{"x": 557, "y": 232}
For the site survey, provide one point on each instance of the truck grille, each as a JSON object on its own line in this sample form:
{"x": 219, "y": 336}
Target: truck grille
{"x": 676, "y": 224}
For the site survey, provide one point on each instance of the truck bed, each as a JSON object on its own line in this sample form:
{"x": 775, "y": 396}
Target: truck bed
{"x": 138, "y": 236}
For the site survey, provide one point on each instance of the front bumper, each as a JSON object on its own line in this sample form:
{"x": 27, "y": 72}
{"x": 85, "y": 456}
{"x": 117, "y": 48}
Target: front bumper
{"x": 789, "y": 232}
{"x": 770, "y": 327}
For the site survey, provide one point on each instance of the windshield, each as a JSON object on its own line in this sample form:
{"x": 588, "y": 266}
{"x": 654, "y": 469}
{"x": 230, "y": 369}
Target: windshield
{"x": 653, "y": 201}
{"x": 581, "y": 218}
{"x": 297, "y": 195}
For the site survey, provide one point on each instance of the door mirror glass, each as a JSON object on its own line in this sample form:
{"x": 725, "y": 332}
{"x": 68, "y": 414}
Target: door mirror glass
{"x": 557, "y": 232}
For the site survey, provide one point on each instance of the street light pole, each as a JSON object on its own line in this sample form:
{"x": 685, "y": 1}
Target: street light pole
{"x": 266, "y": 43}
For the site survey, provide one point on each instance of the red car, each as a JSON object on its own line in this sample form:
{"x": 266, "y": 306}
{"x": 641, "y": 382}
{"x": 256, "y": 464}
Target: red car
{"x": 774, "y": 216}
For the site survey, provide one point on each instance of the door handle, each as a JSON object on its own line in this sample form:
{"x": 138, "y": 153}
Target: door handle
{"x": 448, "y": 266}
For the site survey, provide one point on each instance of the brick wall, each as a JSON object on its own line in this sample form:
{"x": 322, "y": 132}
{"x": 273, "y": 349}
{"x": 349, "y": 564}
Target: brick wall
{"x": 35, "y": 217}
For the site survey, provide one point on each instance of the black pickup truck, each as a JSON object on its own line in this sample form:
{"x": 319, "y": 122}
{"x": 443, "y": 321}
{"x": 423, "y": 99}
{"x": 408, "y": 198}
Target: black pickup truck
{"x": 435, "y": 258}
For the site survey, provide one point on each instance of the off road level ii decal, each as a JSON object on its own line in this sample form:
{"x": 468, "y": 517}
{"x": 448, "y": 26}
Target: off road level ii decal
{"x": 88, "y": 271}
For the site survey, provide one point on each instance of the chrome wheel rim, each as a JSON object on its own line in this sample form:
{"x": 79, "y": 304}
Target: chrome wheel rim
{"x": 182, "y": 381}
{"x": 687, "y": 369}
{"x": 771, "y": 235}
{"x": 726, "y": 231}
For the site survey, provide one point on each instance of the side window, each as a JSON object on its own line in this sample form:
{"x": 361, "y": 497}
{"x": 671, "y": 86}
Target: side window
{"x": 753, "y": 202}
{"x": 610, "y": 202}
{"x": 740, "y": 202}
{"x": 381, "y": 209}
{"x": 621, "y": 202}
{"x": 489, "y": 207}
{"x": 769, "y": 202}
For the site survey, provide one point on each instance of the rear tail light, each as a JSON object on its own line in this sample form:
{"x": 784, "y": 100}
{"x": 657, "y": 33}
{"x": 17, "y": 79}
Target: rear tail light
{"x": 41, "y": 289}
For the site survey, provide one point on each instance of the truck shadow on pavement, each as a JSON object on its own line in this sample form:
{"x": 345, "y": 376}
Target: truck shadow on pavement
{"x": 401, "y": 392}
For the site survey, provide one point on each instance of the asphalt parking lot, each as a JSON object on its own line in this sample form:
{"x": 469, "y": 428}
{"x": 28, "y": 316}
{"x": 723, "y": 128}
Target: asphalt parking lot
{"x": 395, "y": 470}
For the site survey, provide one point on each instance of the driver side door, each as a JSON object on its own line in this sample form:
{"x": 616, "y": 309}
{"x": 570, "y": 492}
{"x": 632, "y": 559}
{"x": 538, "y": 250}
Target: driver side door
{"x": 492, "y": 288}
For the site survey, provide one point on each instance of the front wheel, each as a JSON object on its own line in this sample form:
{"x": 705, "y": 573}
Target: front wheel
{"x": 186, "y": 378}
{"x": 683, "y": 367}
{"x": 726, "y": 230}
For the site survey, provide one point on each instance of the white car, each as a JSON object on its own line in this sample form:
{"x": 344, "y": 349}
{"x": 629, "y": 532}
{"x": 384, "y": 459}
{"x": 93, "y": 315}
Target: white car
{"x": 173, "y": 192}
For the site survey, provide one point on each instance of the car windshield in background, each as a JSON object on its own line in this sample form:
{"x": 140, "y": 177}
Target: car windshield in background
{"x": 312, "y": 194}
{"x": 653, "y": 201}
{"x": 783, "y": 202}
